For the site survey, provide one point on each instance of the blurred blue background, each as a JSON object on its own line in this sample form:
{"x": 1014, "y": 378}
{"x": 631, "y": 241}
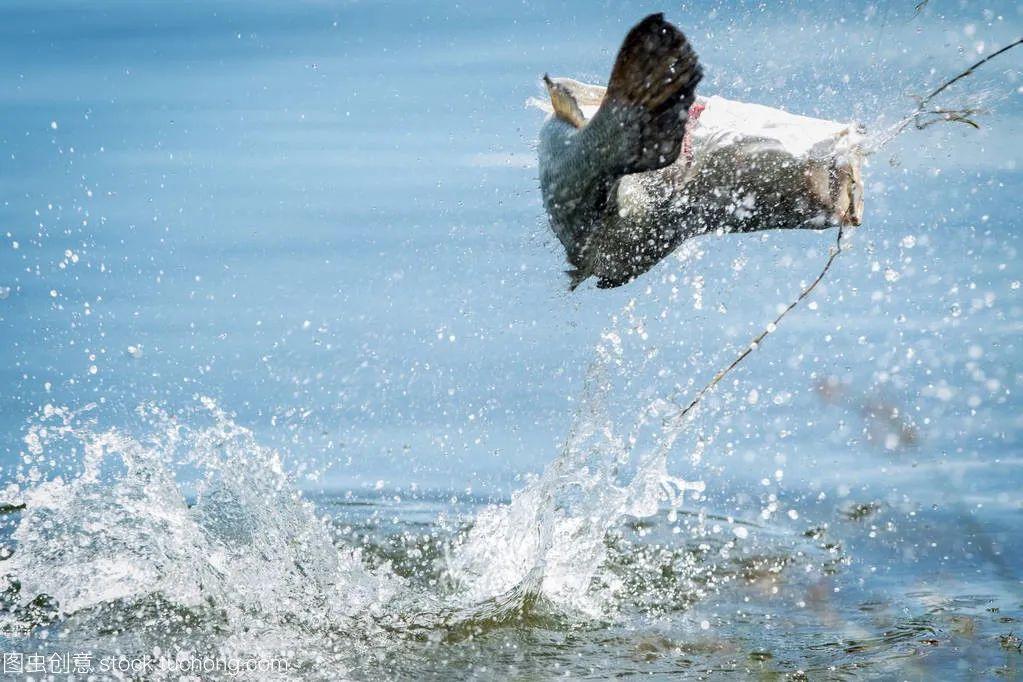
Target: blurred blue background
{"x": 326, "y": 217}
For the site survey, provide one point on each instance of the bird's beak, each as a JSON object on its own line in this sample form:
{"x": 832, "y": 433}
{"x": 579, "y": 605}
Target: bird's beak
{"x": 564, "y": 103}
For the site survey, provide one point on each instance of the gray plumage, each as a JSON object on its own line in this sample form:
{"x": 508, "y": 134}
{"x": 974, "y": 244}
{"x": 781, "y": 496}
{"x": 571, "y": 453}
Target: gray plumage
{"x": 618, "y": 196}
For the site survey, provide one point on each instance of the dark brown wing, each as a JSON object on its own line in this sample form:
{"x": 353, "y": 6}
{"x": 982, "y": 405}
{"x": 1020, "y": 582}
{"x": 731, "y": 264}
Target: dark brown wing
{"x": 652, "y": 85}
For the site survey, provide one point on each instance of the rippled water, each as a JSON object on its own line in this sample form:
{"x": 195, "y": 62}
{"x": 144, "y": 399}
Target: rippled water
{"x": 289, "y": 373}
{"x": 576, "y": 574}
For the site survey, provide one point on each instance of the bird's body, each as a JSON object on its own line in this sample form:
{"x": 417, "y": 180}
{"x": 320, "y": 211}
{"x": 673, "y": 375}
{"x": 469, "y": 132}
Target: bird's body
{"x": 624, "y": 182}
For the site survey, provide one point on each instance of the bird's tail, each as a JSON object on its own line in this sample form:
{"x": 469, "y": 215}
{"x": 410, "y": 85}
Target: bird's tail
{"x": 576, "y": 277}
{"x": 652, "y": 85}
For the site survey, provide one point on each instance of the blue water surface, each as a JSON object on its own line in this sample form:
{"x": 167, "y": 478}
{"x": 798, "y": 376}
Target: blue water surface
{"x": 325, "y": 216}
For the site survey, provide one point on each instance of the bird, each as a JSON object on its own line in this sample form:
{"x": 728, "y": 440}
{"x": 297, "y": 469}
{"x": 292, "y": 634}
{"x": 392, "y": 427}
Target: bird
{"x": 625, "y": 181}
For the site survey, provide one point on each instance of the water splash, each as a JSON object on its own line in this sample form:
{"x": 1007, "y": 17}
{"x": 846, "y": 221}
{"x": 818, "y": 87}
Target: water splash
{"x": 195, "y": 523}
{"x": 120, "y": 535}
{"x": 549, "y": 542}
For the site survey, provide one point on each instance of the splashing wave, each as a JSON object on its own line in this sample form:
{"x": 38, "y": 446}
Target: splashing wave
{"x": 193, "y": 538}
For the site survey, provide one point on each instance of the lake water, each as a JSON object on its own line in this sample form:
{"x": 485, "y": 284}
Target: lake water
{"x": 290, "y": 372}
